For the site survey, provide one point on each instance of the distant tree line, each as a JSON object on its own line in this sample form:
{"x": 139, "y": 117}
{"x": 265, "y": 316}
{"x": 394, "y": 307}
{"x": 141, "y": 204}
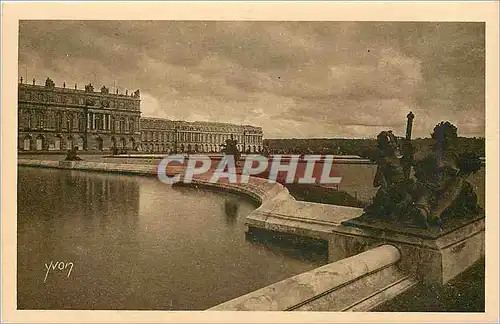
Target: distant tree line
{"x": 365, "y": 148}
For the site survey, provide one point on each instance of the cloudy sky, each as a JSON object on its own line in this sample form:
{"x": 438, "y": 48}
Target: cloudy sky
{"x": 294, "y": 79}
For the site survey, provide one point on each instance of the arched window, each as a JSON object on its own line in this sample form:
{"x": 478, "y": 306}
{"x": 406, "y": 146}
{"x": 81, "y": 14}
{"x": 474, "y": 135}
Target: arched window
{"x": 69, "y": 142}
{"x": 39, "y": 143}
{"x": 25, "y": 118}
{"x": 49, "y": 119}
{"x": 69, "y": 122}
{"x": 29, "y": 121}
{"x": 40, "y": 120}
{"x": 122, "y": 125}
{"x": 58, "y": 118}
{"x": 27, "y": 143}
{"x": 81, "y": 122}
{"x": 57, "y": 143}
{"x": 97, "y": 121}
{"x": 99, "y": 142}
{"x": 131, "y": 125}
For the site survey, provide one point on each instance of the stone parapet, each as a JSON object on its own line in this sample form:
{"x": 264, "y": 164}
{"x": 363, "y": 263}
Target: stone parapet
{"x": 358, "y": 283}
{"x": 260, "y": 190}
{"x": 301, "y": 218}
{"x": 433, "y": 258}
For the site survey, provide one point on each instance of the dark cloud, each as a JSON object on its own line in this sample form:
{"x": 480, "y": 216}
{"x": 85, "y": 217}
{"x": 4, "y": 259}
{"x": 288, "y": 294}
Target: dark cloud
{"x": 295, "y": 79}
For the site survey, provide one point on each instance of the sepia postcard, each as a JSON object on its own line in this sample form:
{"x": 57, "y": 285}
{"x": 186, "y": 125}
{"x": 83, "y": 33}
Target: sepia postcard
{"x": 250, "y": 162}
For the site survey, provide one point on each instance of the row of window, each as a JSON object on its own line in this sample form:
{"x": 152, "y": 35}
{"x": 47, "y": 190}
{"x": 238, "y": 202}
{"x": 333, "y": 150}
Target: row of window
{"x": 58, "y": 143}
{"x": 76, "y": 100}
{"x": 99, "y": 121}
{"x": 201, "y": 148}
{"x": 198, "y": 137}
{"x": 158, "y": 125}
{"x": 74, "y": 121}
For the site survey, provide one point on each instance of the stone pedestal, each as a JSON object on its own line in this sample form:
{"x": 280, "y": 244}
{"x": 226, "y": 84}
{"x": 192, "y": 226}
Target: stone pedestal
{"x": 433, "y": 256}
{"x": 67, "y": 164}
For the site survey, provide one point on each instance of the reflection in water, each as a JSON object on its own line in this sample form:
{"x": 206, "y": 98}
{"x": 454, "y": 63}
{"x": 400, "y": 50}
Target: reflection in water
{"x": 138, "y": 244}
{"x": 231, "y": 210}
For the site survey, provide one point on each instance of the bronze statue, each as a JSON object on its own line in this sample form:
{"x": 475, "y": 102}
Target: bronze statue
{"x": 231, "y": 148}
{"x": 442, "y": 190}
{"x": 439, "y": 189}
{"x": 394, "y": 194}
{"x": 72, "y": 155}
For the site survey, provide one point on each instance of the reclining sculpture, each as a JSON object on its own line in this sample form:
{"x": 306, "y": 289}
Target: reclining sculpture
{"x": 72, "y": 155}
{"x": 438, "y": 190}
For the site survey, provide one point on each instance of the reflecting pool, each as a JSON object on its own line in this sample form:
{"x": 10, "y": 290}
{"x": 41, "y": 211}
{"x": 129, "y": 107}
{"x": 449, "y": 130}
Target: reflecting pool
{"x": 130, "y": 242}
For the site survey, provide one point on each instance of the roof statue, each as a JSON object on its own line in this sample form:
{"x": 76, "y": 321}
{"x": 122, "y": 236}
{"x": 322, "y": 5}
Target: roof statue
{"x": 49, "y": 83}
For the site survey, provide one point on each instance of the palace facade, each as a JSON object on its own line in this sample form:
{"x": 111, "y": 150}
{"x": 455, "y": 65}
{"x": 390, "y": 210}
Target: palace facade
{"x": 54, "y": 118}
{"x": 163, "y": 135}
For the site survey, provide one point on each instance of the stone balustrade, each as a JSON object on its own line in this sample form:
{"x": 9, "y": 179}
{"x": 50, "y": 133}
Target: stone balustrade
{"x": 358, "y": 283}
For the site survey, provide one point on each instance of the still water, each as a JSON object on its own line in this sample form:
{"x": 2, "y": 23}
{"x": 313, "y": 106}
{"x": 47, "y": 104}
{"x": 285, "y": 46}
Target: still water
{"x": 130, "y": 242}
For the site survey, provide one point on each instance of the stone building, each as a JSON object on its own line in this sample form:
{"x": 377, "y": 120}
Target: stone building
{"x": 54, "y": 118}
{"x": 168, "y": 136}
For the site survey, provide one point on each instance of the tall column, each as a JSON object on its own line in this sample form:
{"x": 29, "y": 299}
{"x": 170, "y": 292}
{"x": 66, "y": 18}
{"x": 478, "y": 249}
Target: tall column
{"x": 176, "y": 139}
{"x": 244, "y": 141}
